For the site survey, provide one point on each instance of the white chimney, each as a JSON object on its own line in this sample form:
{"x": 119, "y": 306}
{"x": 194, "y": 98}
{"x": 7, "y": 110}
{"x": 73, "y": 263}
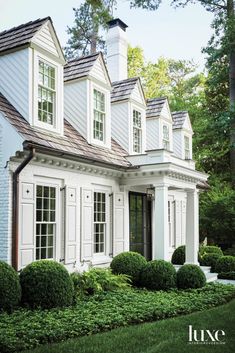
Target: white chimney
{"x": 117, "y": 50}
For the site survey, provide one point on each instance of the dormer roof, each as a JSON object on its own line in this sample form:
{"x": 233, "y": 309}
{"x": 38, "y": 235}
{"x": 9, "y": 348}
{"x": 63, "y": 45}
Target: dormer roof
{"x": 83, "y": 66}
{"x": 155, "y": 106}
{"x": 122, "y": 90}
{"x": 179, "y": 119}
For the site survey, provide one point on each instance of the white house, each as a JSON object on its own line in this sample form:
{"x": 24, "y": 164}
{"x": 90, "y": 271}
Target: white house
{"x": 88, "y": 167}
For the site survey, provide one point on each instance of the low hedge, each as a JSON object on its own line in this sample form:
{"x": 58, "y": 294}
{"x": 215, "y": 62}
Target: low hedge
{"x": 46, "y": 284}
{"x": 26, "y": 329}
{"x": 190, "y": 276}
{"x": 129, "y": 263}
{"x": 227, "y": 275}
{"x": 211, "y": 249}
{"x": 225, "y": 264}
{"x": 158, "y": 275}
{"x": 10, "y": 290}
{"x": 178, "y": 256}
{"x": 210, "y": 259}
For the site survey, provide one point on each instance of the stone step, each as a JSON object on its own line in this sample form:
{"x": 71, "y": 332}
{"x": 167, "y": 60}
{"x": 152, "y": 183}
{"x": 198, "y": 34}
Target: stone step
{"x": 206, "y": 269}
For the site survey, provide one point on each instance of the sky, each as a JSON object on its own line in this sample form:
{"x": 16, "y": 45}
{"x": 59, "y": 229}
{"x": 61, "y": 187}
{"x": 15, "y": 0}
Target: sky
{"x": 168, "y": 32}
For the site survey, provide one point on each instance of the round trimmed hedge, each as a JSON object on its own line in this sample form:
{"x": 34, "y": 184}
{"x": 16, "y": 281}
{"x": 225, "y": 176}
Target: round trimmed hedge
{"x": 190, "y": 276}
{"x": 157, "y": 275}
{"x": 210, "y": 260}
{"x": 178, "y": 256}
{"x": 10, "y": 290}
{"x": 46, "y": 284}
{"x": 225, "y": 264}
{"x": 129, "y": 263}
{"x": 211, "y": 249}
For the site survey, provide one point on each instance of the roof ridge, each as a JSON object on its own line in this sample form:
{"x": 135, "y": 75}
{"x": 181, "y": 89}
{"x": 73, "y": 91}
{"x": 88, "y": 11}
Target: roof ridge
{"x": 156, "y": 99}
{"x": 179, "y": 111}
{"x": 126, "y": 80}
{"x": 83, "y": 57}
{"x": 26, "y": 24}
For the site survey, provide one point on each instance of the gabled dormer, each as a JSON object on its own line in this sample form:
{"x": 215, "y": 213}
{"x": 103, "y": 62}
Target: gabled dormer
{"x": 182, "y": 135}
{"x": 159, "y": 124}
{"x": 87, "y": 90}
{"x": 31, "y": 73}
{"x": 128, "y": 115}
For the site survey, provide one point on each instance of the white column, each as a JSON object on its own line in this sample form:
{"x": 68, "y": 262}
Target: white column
{"x": 192, "y": 227}
{"x": 161, "y": 231}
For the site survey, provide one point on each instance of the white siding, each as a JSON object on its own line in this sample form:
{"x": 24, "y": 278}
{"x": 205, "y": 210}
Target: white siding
{"x": 45, "y": 40}
{"x": 152, "y": 138}
{"x": 120, "y": 124}
{"x": 99, "y": 73}
{"x": 14, "y": 80}
{"x": 75, "y": 105}
{"x": 177, "y": 143}
{"x": 165, "y": 113}
{"x": 136, "y": 95}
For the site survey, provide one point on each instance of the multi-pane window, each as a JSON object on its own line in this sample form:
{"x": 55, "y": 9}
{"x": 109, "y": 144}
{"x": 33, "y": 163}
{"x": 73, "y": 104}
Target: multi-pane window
{"x": 137, "y": 132}
{"x": 99, "y": 222}
{"x": 186, "y": 147}
{"x": 45, "y": 221}
{"x": 99, "y": 115}
{"x": 46, "y": 93}
{"x": 166, "y": 137}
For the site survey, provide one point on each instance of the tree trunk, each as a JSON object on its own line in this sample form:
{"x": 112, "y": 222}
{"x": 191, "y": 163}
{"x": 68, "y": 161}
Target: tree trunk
{"x": 230, "y": 14}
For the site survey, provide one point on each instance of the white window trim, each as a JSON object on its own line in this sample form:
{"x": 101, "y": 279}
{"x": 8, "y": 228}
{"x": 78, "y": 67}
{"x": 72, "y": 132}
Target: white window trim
{"x": 169, "y": 125}
{"x": 190, "y": 146}
{"x": 58, "y": 114}
{"x": 107, "y": 121}
{"x": 171, "y": 224}
{"x": 143, "y": 129}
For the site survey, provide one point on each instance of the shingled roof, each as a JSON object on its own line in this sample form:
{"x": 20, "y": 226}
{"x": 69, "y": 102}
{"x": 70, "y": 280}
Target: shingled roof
{"x": 154, "y": 106}
{"x": 123, "y": 89}
{"x": 179, "y": 119}
{"x": 21, "y": 35}
{"x": 71, "y": 143}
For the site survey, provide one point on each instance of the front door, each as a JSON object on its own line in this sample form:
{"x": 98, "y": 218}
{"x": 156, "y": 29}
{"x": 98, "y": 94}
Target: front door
{"x": 140, "y": 224}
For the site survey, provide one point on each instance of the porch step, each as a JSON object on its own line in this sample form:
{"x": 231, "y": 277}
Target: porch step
{"x": 210, "y": 277}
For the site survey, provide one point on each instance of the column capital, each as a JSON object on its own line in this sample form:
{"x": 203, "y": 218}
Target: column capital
{"x": 161, "y": 186}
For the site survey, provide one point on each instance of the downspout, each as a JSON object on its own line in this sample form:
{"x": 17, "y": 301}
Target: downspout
{"x": 15, "y": 208}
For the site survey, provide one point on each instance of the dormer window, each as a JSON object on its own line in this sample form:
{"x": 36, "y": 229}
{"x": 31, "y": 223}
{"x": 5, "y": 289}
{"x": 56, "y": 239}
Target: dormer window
{"x": 99, "y": 115}
{"x": 166, "y": 137}
{"x": 46, "y": 93}
{"x": 186, "y": 147}
{"x": 137, "y": 131}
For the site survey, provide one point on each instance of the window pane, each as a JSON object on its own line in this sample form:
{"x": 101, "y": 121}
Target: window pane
{"x": 99, "y": 221}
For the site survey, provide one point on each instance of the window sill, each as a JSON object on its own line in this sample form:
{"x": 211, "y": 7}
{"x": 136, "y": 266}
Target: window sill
{"x": 100, "y": 260}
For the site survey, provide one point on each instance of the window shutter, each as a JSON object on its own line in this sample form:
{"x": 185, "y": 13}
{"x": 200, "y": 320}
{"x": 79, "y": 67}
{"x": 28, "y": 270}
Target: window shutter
{"x": 177, "y": 223}
{"x": 183, "y": 223}
{"x": 27, "y": 224}
{"x": 71, "y": 224}
{"x": 118, "y": 223}
{"x": 87, "y": 223}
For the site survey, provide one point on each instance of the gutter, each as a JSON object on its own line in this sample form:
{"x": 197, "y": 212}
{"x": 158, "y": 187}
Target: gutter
{"x": 15, "y": 208}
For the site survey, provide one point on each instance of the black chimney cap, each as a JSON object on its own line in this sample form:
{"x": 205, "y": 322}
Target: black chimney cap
{"x": 117, "y": 22}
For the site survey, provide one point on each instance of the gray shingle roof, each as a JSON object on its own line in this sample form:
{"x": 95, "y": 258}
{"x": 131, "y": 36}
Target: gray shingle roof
{"x": 20, "y": 35}
{"x": 179, "y": 119}
{"x": 80, "y": 67}
{"x": 154, "y": 106}
{"x": 123, "y": 89}
{"x": 72, "y": 142}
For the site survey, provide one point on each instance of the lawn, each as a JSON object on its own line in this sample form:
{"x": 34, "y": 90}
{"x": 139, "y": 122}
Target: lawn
{"x": 26, "y": 329}
{"x": 168, "y": 336}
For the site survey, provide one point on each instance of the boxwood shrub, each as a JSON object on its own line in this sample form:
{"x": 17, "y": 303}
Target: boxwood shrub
{"x": 129, "y": 263}
{"x": 225, "y": 264}
{"x": 157, "y": 275}
{"x": 210, "y": 259}
{"x": 10, "y": 290}
{"x": 227, "y": 275}
{"x": 211, "y": 249}
{"x": 190, "y": 276}
{"x": 178, "y": 256}
{"x": 46, "y": 284}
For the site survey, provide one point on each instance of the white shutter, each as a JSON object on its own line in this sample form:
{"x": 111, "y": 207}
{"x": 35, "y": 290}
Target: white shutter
{"x": 87, "y": 223}
{"x": 71, "y": 224}
{"x": 26, "y": 223}
{"x": 177, "y": 223}
{"x": 183, "y": 224}
{"x": 118, "y": 223}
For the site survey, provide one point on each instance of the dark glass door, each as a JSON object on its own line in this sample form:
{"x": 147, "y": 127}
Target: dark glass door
{"x": 140, "y": 224}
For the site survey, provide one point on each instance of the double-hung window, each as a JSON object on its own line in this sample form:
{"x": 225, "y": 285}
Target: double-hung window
{"x": 99, "y": 222}
{"x": 46, "y": 93}
{"x": 45, "y": 221}
{"x": 186, "y": 147}
{"x": 137, "y": 131}
{"x": 166, "y": 137}
{"x": 99, "y": 115}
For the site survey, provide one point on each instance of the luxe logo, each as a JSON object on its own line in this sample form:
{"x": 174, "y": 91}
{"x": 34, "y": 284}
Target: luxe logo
{"x": 206, "y": 336}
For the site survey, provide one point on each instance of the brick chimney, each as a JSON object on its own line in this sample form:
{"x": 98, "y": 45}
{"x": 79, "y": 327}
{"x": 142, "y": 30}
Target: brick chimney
{"x": 117, "y": 50}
